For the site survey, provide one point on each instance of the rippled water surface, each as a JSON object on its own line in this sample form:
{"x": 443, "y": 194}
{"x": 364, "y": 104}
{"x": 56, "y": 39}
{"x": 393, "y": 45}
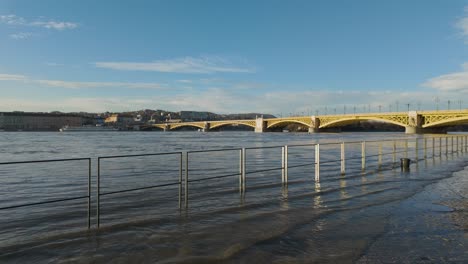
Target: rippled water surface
{"x": 341, "y": 218}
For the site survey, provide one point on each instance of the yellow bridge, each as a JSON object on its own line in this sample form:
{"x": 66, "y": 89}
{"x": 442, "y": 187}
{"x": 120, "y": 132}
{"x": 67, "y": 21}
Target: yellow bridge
{"x": 412, "y": 121}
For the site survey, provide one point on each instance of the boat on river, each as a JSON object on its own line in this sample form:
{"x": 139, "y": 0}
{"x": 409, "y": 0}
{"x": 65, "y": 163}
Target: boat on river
{"x": 96, "y": 128}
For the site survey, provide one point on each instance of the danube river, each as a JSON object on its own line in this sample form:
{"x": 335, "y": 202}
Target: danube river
{"x": 378, "y": 215}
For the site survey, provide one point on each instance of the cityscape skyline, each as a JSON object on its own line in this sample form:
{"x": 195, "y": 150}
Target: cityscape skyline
{"x": 272, "y": 57}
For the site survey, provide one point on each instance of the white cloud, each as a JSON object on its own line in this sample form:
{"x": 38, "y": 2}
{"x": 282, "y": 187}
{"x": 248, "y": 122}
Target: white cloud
{"x": 462, "y": 25}
{"x": 179, "y": 65}
{"x": 21, "y": 35}
{"x": 81, "y": 85}
{"x": 451, "y": 82}
{"x": 15, "y": 20}
{"x": 12, "y": 77}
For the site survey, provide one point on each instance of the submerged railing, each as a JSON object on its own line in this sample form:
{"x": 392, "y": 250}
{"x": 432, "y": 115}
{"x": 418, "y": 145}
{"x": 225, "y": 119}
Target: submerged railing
{"x": 336, "y": 158}
{"x": 59, "y": 200}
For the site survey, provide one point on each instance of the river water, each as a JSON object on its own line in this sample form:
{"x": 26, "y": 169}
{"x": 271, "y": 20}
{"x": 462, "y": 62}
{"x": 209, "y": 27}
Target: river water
{"x": 379, "y": 215}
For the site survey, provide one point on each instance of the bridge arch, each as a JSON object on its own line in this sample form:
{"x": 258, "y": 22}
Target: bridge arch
{"x": 218, "y": 125}
{"x": 195, "y": 125}
{"x": 448, "y": 122}
{"x": 278, "y": 123}
{"x": 355, "y": 119}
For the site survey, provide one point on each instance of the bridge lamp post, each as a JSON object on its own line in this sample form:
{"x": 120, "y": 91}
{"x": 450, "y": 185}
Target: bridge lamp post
{"x": 459, "y": 104}
{"x": 448, "y": 105}
{"x": 334, "y": 111}
{"x": 436, "y": 100}
{"x": 326, "y": 110}
{"x": 408, "y": 104}
{"x": 380, "y": 108}
{"x": 397, "y": 105}
{"x": 390, "y": 107}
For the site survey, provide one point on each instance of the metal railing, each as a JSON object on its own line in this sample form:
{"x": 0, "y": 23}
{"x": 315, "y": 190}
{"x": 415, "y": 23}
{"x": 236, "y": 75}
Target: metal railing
{"x": 88, "y": 196}
{"x": 99, "y": 193}
{"x": 362, "y": 155}
{"x": 458, "y": 143}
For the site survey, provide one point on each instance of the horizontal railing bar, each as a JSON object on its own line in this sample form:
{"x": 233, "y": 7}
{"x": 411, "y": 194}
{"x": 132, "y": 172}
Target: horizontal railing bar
{"x": 214, "y": 150}
{"x": 215, "y": 177}
{"x": 305, "y": 145}
{"x": 264, "y": 170}
{"x": 140, "y": 188}
{"x": 140, "y": 155}
{"x": 301, "y": 165}
{"x": 44, "y": 202}
{"x": 42, "y": 161}
{"x": 266, "y": 147}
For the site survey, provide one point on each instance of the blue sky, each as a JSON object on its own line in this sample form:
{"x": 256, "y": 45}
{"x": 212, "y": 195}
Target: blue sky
{"x": 278, "y": 57}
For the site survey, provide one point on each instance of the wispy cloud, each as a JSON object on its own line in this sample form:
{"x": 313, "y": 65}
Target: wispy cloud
{"x": 452, "y": 82}
{"x": 80, "y": 85}
{"x": 87, "y": 85}
{"x": 12, "y": 77}
{"x": 462, "y": 25}
{"x": 15, "y": 20}
{"x": 21, "y": 35}
{"x": 180, "y": 65}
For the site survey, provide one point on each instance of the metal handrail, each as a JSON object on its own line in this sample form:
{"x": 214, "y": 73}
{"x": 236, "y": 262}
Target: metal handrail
{"x": 88, "y": 196}
{"x": 98, "y": 182}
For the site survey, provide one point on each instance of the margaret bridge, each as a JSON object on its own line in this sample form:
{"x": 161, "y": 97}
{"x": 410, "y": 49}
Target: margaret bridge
{"x": 414, "y": 122}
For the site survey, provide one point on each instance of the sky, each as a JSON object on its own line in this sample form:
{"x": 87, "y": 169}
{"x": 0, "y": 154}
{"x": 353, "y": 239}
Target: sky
{"x": 278, "y": 57}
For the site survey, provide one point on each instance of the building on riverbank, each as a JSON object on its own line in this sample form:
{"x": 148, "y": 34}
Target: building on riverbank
{"x": 28, "y": 121}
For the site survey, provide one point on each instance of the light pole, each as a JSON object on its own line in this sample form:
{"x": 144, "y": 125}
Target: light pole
{"x": 344, "y": 109}
{"x": 459, "y": 104}
{"x": 397, "y": 105}
{"x": 408, "y": 106}
{"x": 380, "y": 108}
{"x": 436, "y": 100}
{"x": 448, "y": 105}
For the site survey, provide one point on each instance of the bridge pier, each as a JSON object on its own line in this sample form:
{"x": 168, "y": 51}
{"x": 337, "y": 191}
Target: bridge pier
{"x": 260, "y": 125}
{"x": 167, "y": 127}
{"x": 314, "y": 124}
{"x": 206, "y": 127}
{"x": 415, "y": 121}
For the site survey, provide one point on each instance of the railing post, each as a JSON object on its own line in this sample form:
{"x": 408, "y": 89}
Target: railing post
{"x": 241, "y": 168}
{"x": 282, "y": 165}
{"x": 456, "y": 150}
{"x": 317, "y": 163}
{"x": 446, "y": 145}
{"x": 343, "y": 163}
{"x": 89, "y": 193}
{"x": 363, "y": 155}
{"x": 440, "y": 147}
{"x": 244, "y": 156}
{"x": 406, "y": 148}
{"x": 425, "y": 148}
{"x": 433, "y": 147}
{"x": 180, "y": 179}
{"x": 416, "y": 148}
{"x": 186, "y": 187}
{"x": 380, "y": 155}
{"x": 286, "y": 164}
{"x": 451, "y": 138}
{"x": 461, "y": 144}
{"x": 394, "y": 152}
{"x": 98, "y": 196}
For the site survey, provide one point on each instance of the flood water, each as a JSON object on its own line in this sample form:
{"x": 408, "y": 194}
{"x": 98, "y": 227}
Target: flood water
{"x": 380, "y": 214}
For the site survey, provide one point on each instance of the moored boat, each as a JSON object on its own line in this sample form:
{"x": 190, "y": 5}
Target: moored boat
{"x": 87, "y": 129}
